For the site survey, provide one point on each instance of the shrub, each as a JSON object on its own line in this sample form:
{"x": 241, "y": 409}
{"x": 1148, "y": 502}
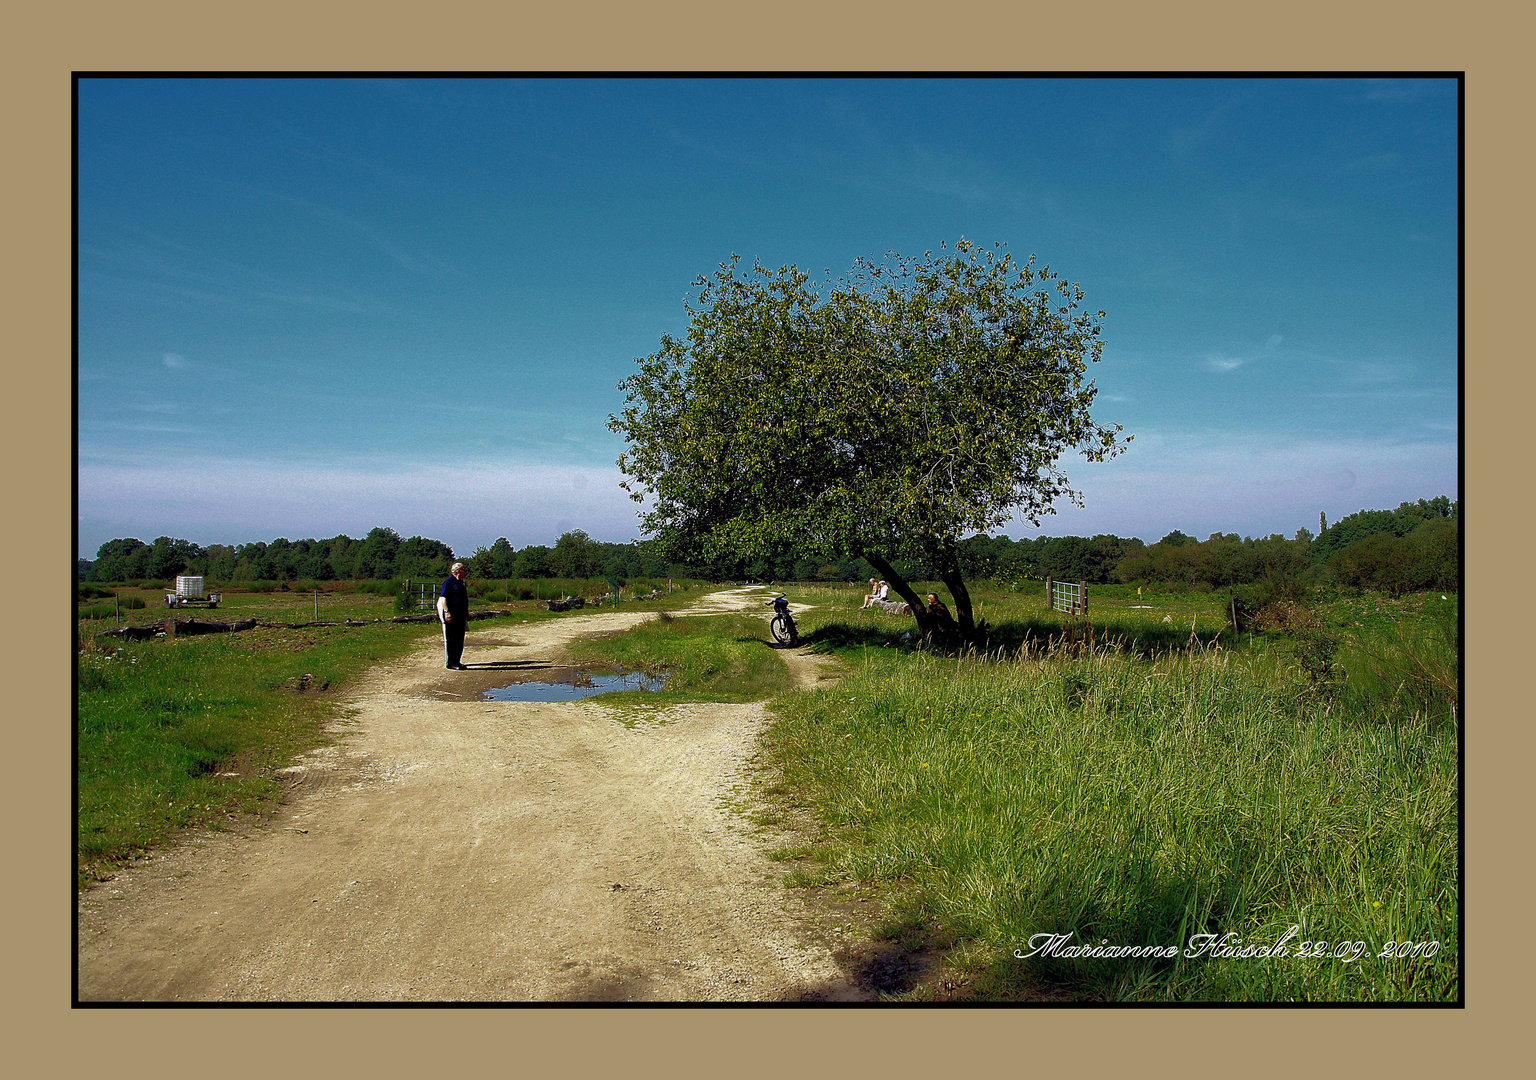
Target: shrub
{"x": 379, "y": 587}
{"x": 1317, "y": 654}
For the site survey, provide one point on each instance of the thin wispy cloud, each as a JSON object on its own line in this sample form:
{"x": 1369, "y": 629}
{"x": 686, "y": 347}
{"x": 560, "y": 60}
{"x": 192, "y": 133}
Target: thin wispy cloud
{"x": 1253, "y": 483}
{"x": 373, "y": 235}
{"x": 90, "y": 427}
{"x": 152, "y": 266}
{"x": 1184, "y": 140}
{"x": 1447, "y": 394}
{"x": 463, "y": 505}
{"x": 329, "y": 303}
{"x": 1373, "y": 371}
{"x": 1221, "y": 362}
{"x": 1394, "y": 92}
{"x": 173, "y": 360}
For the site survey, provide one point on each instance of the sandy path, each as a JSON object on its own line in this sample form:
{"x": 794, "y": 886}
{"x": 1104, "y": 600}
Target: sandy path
{"x": 449, "y": 848}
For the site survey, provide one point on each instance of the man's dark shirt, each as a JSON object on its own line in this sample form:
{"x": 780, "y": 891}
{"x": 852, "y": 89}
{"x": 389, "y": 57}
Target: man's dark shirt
{"x": 457, "y": 595}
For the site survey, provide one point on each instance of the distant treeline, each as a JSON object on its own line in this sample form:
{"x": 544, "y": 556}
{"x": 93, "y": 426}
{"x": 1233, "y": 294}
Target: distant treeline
{"x": 381, "y": 555}
{"x": 1416, "y": 546}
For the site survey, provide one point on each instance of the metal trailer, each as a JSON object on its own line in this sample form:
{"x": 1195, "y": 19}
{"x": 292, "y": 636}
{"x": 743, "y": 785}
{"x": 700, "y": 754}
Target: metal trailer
{"x": 189, "y": 593}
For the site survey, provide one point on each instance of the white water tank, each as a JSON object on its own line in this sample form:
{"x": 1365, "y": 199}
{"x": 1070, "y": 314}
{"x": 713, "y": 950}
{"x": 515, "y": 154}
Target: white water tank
{"x": 189, "y": 587}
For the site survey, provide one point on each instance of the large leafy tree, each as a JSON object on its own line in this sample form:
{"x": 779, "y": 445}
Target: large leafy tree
{"x": 576, "y": 555}
{"x": 883, "y": 416}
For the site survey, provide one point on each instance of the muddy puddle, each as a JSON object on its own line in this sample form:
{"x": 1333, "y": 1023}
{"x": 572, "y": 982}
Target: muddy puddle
{"x": 530, "y": 680}
{"x": 569, "y": 684}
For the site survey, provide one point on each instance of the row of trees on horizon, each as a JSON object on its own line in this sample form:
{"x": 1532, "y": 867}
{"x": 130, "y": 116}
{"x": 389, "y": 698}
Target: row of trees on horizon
{"x": 1416, "y": 546}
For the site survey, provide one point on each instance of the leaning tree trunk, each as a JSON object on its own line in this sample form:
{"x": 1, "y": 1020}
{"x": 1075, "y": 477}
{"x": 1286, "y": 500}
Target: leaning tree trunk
{"x": 926, "y": 624}
{"x": 949, "y": 573}
{"x": 963, "y": 615}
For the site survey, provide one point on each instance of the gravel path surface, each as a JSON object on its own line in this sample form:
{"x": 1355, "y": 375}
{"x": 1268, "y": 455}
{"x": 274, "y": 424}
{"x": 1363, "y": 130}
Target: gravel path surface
{"x": 449, "y": 848}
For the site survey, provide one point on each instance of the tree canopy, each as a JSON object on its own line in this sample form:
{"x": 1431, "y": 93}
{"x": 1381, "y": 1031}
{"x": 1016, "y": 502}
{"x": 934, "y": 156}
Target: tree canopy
{"x": 884, "y": 416}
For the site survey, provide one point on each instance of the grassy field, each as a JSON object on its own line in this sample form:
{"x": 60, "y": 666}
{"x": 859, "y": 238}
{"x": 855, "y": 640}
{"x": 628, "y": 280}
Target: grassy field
{"x": 274, "y": 606}
{"x": 334, "y": 603}
{"x": 1142, "y": 792}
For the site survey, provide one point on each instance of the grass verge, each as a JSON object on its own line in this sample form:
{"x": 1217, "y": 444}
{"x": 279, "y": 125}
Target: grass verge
{"x": 704, "y": 658}
{"x": 183, "y": 733}
{"x": 1138, "y": 802}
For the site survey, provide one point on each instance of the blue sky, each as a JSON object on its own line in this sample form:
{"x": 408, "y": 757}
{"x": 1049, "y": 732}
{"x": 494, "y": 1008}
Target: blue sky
{"x": 310, "y": 307}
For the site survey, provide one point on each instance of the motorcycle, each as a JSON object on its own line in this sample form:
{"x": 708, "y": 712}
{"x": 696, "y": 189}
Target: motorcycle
{"x": 782, "y": 625}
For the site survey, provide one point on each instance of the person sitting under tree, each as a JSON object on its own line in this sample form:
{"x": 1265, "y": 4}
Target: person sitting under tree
{"x": 869, "y": 597}
{"x": 941, "y": 615}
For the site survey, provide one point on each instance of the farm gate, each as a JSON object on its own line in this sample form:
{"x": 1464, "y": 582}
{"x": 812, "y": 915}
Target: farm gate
{"x": 1067, "y": 597}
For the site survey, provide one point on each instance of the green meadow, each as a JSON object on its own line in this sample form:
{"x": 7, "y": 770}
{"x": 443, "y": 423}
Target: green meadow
{"x": 1140, "y": 785}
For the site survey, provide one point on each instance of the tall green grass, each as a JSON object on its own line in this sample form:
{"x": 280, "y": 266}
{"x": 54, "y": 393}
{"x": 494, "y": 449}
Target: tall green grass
{"x": 1140, "y": 802}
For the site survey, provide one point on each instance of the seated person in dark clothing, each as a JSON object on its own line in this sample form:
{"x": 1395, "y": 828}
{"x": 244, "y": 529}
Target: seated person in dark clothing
{"x": 940, "y": 614}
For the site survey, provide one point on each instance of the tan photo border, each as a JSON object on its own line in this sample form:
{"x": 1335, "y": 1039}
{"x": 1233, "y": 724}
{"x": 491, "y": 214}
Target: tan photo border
{"x": 45, "y": 45}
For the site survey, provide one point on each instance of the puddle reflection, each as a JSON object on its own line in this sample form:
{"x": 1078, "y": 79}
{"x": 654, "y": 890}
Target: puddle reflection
{"x": 582, "y": 686}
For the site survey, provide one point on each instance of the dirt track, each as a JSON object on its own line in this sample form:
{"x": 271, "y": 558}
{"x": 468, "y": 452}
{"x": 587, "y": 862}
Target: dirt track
{"x": 448, "y": 848}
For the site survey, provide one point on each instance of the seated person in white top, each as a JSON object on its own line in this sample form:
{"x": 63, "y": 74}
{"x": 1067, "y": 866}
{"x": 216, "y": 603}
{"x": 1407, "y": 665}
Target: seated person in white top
{"x": 872, "y": 595}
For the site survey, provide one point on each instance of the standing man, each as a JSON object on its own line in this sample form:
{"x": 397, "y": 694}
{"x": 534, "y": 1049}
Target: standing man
{"x": 453, "y": 610}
